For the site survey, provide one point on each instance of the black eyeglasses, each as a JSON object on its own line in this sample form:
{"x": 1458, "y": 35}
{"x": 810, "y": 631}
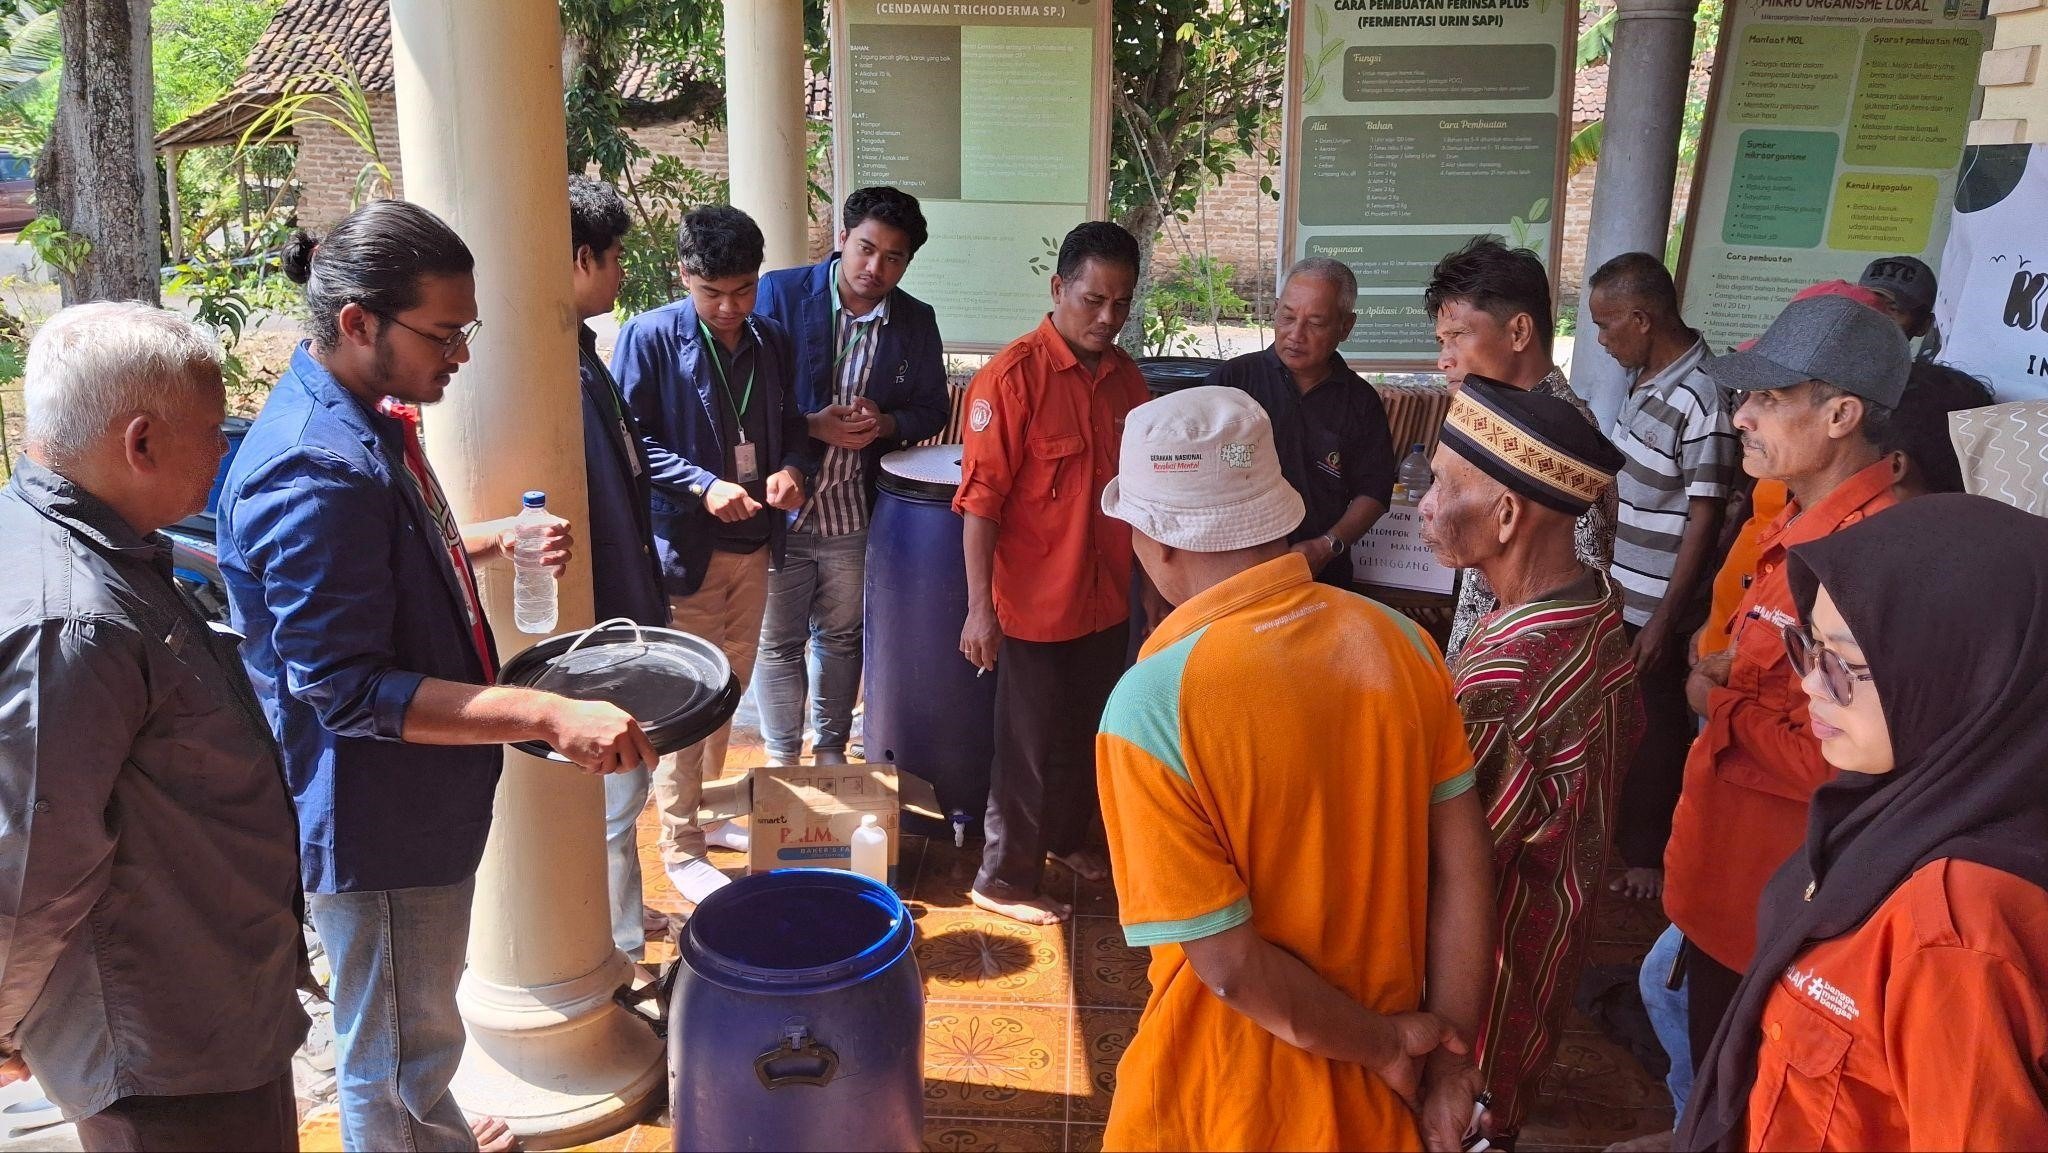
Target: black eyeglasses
{"x": 1837, "y": 676}
{"x": 449, "y": 345}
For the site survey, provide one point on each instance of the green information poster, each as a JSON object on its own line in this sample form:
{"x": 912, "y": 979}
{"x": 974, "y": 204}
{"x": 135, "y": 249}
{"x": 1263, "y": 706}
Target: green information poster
{"x": 1833, "y": 138}
{"x": 995, "y": 116}
{"x": 1412, "y": 126}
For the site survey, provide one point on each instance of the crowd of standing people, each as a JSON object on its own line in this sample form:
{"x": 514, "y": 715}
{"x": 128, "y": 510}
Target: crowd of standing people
{"x": 1700, "y": 644}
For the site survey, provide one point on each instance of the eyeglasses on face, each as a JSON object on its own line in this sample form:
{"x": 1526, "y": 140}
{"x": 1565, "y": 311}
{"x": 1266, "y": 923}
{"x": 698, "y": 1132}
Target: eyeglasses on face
{"x": 449, "y": 345}
{"x": 1837, "y": 676}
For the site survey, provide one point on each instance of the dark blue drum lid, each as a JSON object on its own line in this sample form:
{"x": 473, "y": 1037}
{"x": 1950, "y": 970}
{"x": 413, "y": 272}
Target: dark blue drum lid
{"x": 797, "y": 930}
{"x": 678, "y": 686}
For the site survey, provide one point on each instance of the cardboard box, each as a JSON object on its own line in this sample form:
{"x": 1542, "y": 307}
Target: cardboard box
{"x": 804, "y": 815}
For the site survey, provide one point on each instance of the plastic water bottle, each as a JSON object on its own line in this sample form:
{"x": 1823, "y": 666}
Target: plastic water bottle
{"x": 533, "y": 586}
{"x": 871, "y": 849}
{"x": 1414, "y": 476}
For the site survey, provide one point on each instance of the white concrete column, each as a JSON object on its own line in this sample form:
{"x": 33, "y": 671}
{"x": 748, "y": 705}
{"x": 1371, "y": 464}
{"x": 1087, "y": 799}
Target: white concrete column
{"x": 1632, "y": 188}
{"x": 764, "y": 122}
{"x": 482, "y": 143}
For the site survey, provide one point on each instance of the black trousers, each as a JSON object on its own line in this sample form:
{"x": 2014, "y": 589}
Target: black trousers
{"x": 260, "y": 1120}
{"x": 1041, "y": 789}
{"x": 1650, "y": 790}
{"x": 1709, "y": 990}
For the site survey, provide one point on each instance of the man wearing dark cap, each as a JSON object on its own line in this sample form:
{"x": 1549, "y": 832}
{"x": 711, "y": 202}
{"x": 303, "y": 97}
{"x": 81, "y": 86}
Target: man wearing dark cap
{"x": 1907, "y": 286}
{"x": 1818, "y": 390}
{"x": 1548, "y": 693}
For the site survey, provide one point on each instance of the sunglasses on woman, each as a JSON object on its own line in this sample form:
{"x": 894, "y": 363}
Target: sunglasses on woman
{"x": 1837, "y": 676}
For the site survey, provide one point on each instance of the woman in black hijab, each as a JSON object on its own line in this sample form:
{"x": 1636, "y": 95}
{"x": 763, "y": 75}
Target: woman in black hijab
{"x": 1899, "y": 995}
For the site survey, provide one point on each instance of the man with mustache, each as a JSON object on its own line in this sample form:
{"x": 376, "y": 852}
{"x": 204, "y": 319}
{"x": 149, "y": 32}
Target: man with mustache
{"x": 1048, "y": 574}
{"x": 1817, "y": 393}
{"x": 1329, "y": 426}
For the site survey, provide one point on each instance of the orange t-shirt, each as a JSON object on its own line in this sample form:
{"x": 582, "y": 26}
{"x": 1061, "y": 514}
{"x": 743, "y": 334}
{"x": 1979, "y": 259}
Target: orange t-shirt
{"x": 1041, "y": 439}
{"x": 1751, "y": 773}
{"x": 1924, "y": 1028}
{"x": 1767, "y": 499}
{"x": 1272, "y": 759}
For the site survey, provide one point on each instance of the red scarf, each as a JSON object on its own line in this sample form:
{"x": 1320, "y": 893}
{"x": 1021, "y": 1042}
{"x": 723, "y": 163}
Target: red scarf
{"x": 429, "y": 487}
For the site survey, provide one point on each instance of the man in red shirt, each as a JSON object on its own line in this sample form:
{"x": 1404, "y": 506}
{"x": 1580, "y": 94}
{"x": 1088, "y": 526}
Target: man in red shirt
{"x": 1818, "y": 389}
{"x": 1048, "y": 575}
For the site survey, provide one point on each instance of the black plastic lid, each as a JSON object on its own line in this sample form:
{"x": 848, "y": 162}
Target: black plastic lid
{"x": 678, "y": 686}
{"x": 1164, "y": 374}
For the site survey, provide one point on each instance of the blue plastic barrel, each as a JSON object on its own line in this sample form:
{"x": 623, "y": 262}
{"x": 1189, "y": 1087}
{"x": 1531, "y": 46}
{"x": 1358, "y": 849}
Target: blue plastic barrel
{"x": 797, "y": 1020}
{"x": 927, "y": 712}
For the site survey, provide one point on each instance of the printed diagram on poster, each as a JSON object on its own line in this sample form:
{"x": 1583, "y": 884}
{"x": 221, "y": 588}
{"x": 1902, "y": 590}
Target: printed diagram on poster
{"x": 1391, "y": 554}
{"x": 1833, "y": 136}
{"x": 996, "y": 117}
{"x": 1412, "y": 126}
{"x": 1992, "y": 308}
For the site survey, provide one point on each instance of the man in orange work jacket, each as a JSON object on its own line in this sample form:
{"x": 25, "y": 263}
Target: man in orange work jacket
{"x": 1817, "y": 388}
{"x": 1048, "y": 575}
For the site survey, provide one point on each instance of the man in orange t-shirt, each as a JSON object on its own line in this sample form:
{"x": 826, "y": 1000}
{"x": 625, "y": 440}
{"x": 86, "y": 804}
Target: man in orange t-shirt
{"x": 1048, "y": 575}
{"x": 1302, "y": 862}
{"x": 1817, "y": 387}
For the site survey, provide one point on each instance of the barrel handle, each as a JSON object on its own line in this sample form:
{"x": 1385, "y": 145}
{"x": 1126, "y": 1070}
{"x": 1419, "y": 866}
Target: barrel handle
{"x": 797, "y": 1045}
{"x": 586, "y": 634}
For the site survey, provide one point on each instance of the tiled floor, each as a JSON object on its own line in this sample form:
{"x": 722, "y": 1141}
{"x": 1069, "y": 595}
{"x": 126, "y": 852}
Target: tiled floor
{"x": 1024, "y": 1025}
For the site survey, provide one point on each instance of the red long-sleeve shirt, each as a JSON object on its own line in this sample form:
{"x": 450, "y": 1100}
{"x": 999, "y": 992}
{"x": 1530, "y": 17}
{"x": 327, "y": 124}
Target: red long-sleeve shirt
{"x": 1749, "y": 776}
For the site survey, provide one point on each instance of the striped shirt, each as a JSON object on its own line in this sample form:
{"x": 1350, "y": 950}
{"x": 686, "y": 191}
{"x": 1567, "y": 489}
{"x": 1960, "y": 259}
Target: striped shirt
{"x": 838, "y": 503}
{"x": 1674, "y": 430}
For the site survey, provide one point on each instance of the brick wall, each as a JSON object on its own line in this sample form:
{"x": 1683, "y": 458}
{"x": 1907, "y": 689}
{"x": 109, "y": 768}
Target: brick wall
{"x": 329, "y": 163}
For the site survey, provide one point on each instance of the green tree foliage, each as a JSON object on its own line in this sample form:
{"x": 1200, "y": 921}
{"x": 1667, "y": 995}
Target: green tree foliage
{"x": 1197, "y": 90}
{"x": 197, "y": 48}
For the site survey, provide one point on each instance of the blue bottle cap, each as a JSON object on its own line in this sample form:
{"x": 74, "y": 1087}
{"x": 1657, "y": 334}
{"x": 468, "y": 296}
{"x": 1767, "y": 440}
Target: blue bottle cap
{"x": 534, "y": 499}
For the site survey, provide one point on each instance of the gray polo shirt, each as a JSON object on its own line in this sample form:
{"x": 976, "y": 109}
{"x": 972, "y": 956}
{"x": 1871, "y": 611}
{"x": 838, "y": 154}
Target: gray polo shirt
{"x": 149, "y": 876}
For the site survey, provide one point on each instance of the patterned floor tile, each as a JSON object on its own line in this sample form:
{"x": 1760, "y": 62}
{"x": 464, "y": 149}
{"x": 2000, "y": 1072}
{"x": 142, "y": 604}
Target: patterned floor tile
{"x": 974, "y": 956}
{"x": 947, "y": 875}
{"x": 1591, "y": 1068}
{"x": 1630, "y": 922}
{"x": 1006, "y": 1061}
{"x": 1084, "y": 1139}
{"x": 1101, "y": 1036}
{"x": 947, "y": 1135}
{"x": 1570, "y": 1122}
{"x": 1107, "y": 972}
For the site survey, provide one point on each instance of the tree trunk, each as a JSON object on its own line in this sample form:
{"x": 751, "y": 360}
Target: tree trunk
{"x": 1142, "y": 222}
{"x": 97, "y": 173}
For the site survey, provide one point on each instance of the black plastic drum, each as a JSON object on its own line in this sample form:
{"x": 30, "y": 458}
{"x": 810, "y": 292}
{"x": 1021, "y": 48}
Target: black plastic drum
{"x": 1164, "y": 374}
{"x": 678, "y": 686}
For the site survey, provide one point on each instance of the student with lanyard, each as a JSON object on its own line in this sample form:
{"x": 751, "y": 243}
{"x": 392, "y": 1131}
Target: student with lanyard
{"x": 710, "y": 384}
{"x": 871, "y": 378}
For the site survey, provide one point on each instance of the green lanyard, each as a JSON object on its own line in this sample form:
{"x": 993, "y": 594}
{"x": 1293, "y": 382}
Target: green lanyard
{"x": 851, "y": 343}
{"x": 739, "y": 410}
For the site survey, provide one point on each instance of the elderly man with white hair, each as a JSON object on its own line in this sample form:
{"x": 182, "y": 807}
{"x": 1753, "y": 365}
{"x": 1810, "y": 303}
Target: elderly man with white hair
{"x": 149, "y": 896}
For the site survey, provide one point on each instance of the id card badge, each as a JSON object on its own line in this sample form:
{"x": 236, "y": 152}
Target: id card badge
{"x": 746, "y": 462}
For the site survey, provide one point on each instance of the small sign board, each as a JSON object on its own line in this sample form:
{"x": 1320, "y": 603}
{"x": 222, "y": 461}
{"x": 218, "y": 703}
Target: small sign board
{"x": 1392, "y": 555}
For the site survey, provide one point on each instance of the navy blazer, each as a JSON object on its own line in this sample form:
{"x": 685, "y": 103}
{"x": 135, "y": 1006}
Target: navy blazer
{"x": 625, "y": 576}
{"x": 671, "y": 389}
{"x": 908, "y": 380}
{"x": 340, "y": 584}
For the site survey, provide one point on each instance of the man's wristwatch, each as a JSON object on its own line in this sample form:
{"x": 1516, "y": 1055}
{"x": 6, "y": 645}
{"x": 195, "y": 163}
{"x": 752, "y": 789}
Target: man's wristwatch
{"x": 1336, "y": 544}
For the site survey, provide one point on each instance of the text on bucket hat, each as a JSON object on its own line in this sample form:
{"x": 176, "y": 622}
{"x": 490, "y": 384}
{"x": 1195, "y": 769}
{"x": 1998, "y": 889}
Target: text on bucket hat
{"x": 1197, "y": 471}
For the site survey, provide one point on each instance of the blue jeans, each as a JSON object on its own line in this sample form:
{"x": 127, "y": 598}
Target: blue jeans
{"x": 814, "y": 601}
{"x": 1668, "y": 1013}
{"x": 625, "y": 794}
{"x": 397, "y": 955}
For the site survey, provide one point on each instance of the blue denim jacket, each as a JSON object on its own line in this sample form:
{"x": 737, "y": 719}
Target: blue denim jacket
{"x": 338, "y": 580}
{"x": 660, "y": 365}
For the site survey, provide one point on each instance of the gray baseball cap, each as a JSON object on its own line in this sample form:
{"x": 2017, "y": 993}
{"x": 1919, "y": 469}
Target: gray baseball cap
{"x": 1830, "y": 338}
{"x": 1905, "y": 279}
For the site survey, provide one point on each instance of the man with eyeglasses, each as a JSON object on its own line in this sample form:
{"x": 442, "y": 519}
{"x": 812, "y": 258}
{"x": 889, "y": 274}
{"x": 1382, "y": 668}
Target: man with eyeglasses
{"x": 1817, "y": 392}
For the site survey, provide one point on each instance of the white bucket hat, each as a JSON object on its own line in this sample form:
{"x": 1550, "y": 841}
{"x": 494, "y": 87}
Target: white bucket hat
{"x": 1198, "y": 472}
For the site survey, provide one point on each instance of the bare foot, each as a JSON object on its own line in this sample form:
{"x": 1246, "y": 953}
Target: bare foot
{"x": 1037, "y": 911}
{"x": 1641, "y": 884}
{"x": 1089, "y": 864}
{"x": 492, "y": 1136}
